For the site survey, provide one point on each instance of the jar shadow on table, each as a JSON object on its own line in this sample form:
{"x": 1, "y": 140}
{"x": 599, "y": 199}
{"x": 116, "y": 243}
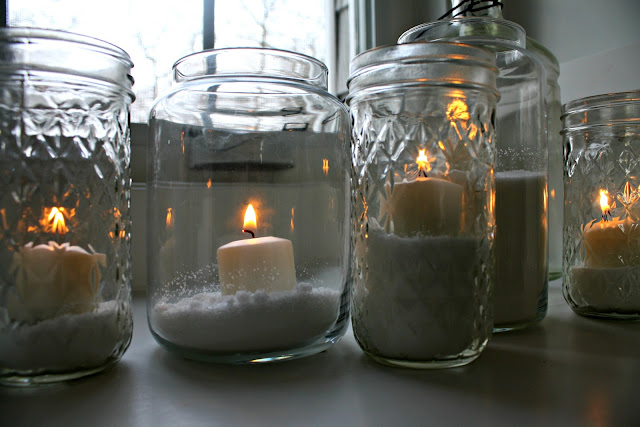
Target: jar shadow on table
{"x": 320, "y": 367}
{"x": 51, "y": 399}
{"x": 554, "y": 366}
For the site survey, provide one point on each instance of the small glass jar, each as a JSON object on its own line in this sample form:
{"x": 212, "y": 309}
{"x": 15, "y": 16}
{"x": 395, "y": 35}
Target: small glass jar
{"x": 521, "y": 168}
{"x": 65, "y": 296}
{"x": 424, "y": 203}
{"x": 248, "y": 208}
{"x": 601, "y": 274}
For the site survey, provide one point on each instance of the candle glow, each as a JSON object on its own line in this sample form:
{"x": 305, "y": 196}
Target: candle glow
{"x": 53, "y": 220}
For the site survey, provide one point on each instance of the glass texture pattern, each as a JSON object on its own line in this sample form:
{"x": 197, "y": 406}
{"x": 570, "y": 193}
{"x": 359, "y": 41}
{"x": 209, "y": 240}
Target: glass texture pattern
{"x": 601, "y": 275}
{"x": 423, "y": 221}
{"x": 64, "y": 216}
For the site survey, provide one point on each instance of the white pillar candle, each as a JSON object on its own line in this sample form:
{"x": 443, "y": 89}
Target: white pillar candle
{"x": 257, "y": 263}
{"x": 521, "y": 245}
{"x": 612, "y": 243}
{"x": 610, "y": 280}
{"x": 253, "y": 264}
{"x": 427, "y": 206}
{"x": 52, "y": 280}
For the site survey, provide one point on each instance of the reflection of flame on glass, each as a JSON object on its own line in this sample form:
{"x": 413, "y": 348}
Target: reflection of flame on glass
{"x": 209, "y": 183}
{"x": 457, "y": 110}
{"x": 553, "y": 193}
{"x": 325, "y": 166}
{"x": 423, "y": 161}
{"x": 250, "y": 219}
{"x": 169, "y": 220}
{"x": 53, "y": 220}
{"x": 293, "y": 212}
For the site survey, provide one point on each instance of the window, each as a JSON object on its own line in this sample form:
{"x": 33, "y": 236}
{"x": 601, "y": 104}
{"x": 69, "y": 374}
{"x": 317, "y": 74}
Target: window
{"x": 155, "y": 33}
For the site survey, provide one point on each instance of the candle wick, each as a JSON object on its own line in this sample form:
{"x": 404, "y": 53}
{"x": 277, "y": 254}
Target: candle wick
{"x": 250, "y": 232}
{"x": 606, "y": 215}
{"x": 422, "y": 173}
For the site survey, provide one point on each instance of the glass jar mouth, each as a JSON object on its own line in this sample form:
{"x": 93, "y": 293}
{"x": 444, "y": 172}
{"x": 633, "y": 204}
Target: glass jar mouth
{"x": 468, "y": 29}
{"x": 251, "y": 63}
{"x": 36, "y": 49}
{"x": 424, "y": 64}
{"x": 622, "y": 108}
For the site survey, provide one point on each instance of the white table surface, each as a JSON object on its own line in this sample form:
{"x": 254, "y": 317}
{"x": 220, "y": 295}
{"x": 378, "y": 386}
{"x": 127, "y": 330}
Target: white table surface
{"x": 569, "y": 370}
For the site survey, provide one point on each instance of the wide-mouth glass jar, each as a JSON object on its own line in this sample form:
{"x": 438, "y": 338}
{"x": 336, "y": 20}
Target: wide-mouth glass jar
{"x": 521, "y": 168}
{"x": 65, "y": 298}
{"x": 248, "y": 208}
{"x": 423, "y": 156}
{"x": 601, "y": 274}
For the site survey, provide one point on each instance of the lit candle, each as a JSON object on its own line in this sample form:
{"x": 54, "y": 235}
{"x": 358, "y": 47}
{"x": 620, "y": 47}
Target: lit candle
{"x": 256, "y": 263}
{"x": 426, "y": 205}
{"x": 608, "y": 242}
{"x": 53, "y": 279}
{"x": 610, "y": 279}
{"x": 419, "y": 297}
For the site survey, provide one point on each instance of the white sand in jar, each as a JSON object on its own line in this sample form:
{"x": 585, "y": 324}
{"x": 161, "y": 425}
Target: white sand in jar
{"x": 606, "y": 290}
{"x": 521, "y": 246}
{"x": 247, "y": 322}
{"x": 421, "y": 299}
{"x": 66, "y": 342}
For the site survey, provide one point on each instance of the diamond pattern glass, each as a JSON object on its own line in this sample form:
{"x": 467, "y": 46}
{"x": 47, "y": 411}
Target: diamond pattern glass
{"x": 64, "y": 226}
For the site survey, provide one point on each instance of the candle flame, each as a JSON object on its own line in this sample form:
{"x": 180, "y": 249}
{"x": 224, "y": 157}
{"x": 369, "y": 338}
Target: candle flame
{"x": 53, "y": 220}
{"x": 423, "y": 161}
{"x": 250, "y": 218}
{"x": 604, "y": 201}
{"x": 325, "y": 166}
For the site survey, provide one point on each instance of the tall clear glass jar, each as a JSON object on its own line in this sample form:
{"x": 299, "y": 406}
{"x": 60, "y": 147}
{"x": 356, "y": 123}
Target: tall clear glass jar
{"x": 248, "y": 208}
{"x": 65, "y": 298}
{"x": 554, "y": 144}
{"x": 601, "y": 276}
{"x": 521, "y": 169}
{"x": 423, "y": 154}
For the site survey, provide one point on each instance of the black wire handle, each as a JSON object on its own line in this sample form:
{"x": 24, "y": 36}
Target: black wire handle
{"x": 471, "y": 6}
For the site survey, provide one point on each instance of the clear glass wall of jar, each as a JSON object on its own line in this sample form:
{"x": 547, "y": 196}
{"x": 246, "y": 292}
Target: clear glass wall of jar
{"x": 522, "y": 164}
{"x": 65, "y": 298}
{"x": 423, "y": 222}
{"x": 554, "y": 145}
{"x": 248, "y": 208}
{"x": 601, "y": 275}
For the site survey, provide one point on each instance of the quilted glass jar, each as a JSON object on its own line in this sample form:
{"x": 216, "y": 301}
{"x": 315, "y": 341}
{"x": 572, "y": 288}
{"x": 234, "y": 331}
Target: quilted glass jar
{"x": 601, "y": 274}
{"x": 423, "y": 155}
{"x": 248, "y": 208}
{"x": 65, "y": 299}
{"x": 521, "y": 168}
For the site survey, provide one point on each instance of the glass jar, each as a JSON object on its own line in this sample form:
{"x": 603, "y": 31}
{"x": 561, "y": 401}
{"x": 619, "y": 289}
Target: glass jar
{"x": 601, "y": 274}
{"x": 65, "y": 298}
{"x": 554, "y": 145}
{"x": 521, "y": 169}
{"x": 424, "y": 215}
{"x": 249, "y": 205}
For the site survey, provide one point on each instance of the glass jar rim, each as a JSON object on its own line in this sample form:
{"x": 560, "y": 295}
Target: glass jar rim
{"x": 429, "y": 64}
{"x": 509, "y": 32}
{"x": 38, "y": 49}
{"x": 601, "y": 110}
{"x": 251, "y": 62}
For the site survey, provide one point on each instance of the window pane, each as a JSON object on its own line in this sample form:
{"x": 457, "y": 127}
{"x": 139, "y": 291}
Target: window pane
{"x": 300, "y": 26}
{"x": 155, "y": 33}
